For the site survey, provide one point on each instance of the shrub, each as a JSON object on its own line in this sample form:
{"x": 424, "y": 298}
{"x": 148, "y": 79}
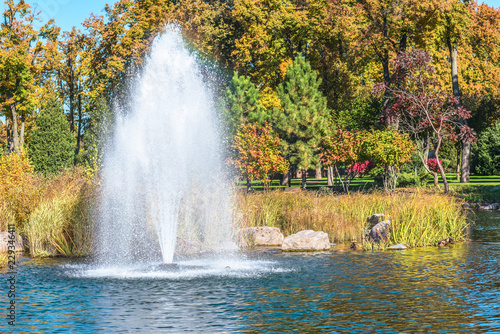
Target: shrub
{"x": 433, "y": 165}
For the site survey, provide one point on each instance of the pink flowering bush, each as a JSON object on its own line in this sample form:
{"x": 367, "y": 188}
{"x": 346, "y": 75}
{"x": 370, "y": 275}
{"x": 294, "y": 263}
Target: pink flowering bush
{"x": 433, "y": 165}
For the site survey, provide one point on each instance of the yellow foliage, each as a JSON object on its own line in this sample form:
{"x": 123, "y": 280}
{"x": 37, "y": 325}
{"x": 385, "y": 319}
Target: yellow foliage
{"x": 18, "y": 187}
{"x": 269, "y": 99}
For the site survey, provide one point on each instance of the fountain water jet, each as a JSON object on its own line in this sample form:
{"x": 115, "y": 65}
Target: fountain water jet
{"x": 163, "y": 175}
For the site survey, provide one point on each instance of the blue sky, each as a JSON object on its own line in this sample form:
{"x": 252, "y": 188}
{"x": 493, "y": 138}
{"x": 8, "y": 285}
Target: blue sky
{"x": 69, "y": 13}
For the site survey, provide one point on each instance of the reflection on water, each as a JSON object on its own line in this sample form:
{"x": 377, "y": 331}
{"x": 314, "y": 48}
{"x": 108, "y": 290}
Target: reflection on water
{"x": 447, "y": 290}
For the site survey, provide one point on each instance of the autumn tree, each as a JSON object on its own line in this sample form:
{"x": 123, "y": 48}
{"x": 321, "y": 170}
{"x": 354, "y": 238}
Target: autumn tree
{"x": 387, "y": 28}
{"x": 304, "y": 119}
{"x": 72, "y": 75}
{"x": 342, "y": 148}
{"x": 21, "y": 49}
{"x": 389, "y": 149}
{"x": 423, "y": 107}
{"x": 454, "y": 29}
{"x": 119, "y": 41}
{"x": 258, "y": 153}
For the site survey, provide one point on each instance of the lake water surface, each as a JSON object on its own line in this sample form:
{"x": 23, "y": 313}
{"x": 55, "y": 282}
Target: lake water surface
{"x": 445, "y": 290}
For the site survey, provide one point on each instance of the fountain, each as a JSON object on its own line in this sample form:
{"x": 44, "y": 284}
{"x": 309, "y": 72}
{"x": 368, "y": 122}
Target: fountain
{"x": 164, "y": 188}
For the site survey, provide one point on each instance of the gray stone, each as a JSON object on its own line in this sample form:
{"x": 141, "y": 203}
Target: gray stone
{"x": 374, "y": 219}
{"x": 264, "y": 236}
{"x": 5, "y": 237}
{"x": 492, "y": 206}
{"x": 397, "y": 247}
{"x": 307, "y": 240}
{"x": 380, "y": 232}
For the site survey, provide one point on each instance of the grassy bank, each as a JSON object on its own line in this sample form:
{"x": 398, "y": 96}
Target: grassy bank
{"x": 418, "y": 219}
{"x": 55, "y": 214}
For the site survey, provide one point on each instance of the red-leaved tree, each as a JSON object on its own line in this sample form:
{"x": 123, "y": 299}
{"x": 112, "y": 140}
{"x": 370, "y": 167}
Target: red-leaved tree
{"x": 343, "y": 148}
{"x": 423, "y": 109}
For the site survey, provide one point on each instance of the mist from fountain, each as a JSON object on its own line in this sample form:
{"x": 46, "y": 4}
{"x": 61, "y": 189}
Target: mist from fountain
{"x": 164, "y": 190}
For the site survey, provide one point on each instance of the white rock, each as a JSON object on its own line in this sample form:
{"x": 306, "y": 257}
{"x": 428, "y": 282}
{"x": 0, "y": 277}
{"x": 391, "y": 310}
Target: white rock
{"x": 307, "y": 240}
{"x": 264, "y": 236}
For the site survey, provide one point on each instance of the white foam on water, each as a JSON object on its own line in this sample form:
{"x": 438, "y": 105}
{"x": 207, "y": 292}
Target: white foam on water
{"x": 186, "y": 270}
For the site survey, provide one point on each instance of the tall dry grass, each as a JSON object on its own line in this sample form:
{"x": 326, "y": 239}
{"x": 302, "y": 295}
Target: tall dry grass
{"x": 62, "y": 223}
{"x": 418, "y": 219}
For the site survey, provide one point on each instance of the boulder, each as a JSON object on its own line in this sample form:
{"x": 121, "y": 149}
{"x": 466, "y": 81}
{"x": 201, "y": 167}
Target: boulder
{"x": 374, "y": 219}
{"x": 307, "y": 240}
{"x": 5, "y": 237}
{"x": 397, "y": 247}
{"x": 380, "y": 232}
{"x": 263, "y": 236}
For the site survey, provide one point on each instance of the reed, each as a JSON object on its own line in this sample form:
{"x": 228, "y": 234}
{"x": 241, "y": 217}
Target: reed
{"x": 418, "y": 219}
{"x": 62, "y": 223}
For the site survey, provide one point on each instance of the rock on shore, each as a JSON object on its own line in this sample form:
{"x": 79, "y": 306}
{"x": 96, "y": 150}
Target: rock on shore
{"x": 307, "y": 240}
{"x": 4, "y": 242}
{"x": 263, "y": 236}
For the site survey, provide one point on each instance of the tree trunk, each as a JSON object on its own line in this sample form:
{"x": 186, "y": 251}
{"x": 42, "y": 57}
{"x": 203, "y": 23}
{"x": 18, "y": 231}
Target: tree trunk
{"x": 330, "y": 175}
{"x": 457, "y": 175}
{"x": 285, "y": 180}
{"x": 21, "y": 137}
{"x": 466, "y": 144}
{"x": 304, "y": 179}
{"x": 15, "y": 134}
{"x": 79, "y": 133}
{"x": 441, "y": 169}
{"x": 465, "y": 165}
{"x": 249, "y": 185}
{"x": 71, "y": 85}
{"x": 318, "y": 174}
{"x": 9, "y": 136}
{"x": 436, "y": 179}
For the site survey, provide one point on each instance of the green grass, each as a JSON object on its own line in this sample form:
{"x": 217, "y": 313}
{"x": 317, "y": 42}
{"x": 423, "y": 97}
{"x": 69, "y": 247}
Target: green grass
{"x": 479, "y": 189}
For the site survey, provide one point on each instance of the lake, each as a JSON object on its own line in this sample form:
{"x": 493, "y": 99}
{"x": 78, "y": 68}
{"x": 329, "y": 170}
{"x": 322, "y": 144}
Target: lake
{"x": 443, "y": 290}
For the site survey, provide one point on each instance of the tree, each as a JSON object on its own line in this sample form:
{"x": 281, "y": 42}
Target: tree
{"x": 52, "y": 144}
{"x": 243, "y": 101}
{"x": 72, "y": 74}
{"x": 119, "y": 42}
{"x": 388, "y": 27}
{"x": 342, "y": 148}
{"x": 21, "y": 51}
{"x": 259, "y": 153}
{"x": 304, "y": 119}
{"x": 390, "y": 149}
{"x": 487, "y": 151}
{"x": 423, "y": 107}
{"x": 455, "y": 28}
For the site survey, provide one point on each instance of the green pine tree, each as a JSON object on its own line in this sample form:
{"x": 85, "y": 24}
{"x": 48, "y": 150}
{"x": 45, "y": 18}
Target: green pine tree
{"x": 244, "y": 106}
{"x": 303, "y": 122}
{"x": 52, "y": 145}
